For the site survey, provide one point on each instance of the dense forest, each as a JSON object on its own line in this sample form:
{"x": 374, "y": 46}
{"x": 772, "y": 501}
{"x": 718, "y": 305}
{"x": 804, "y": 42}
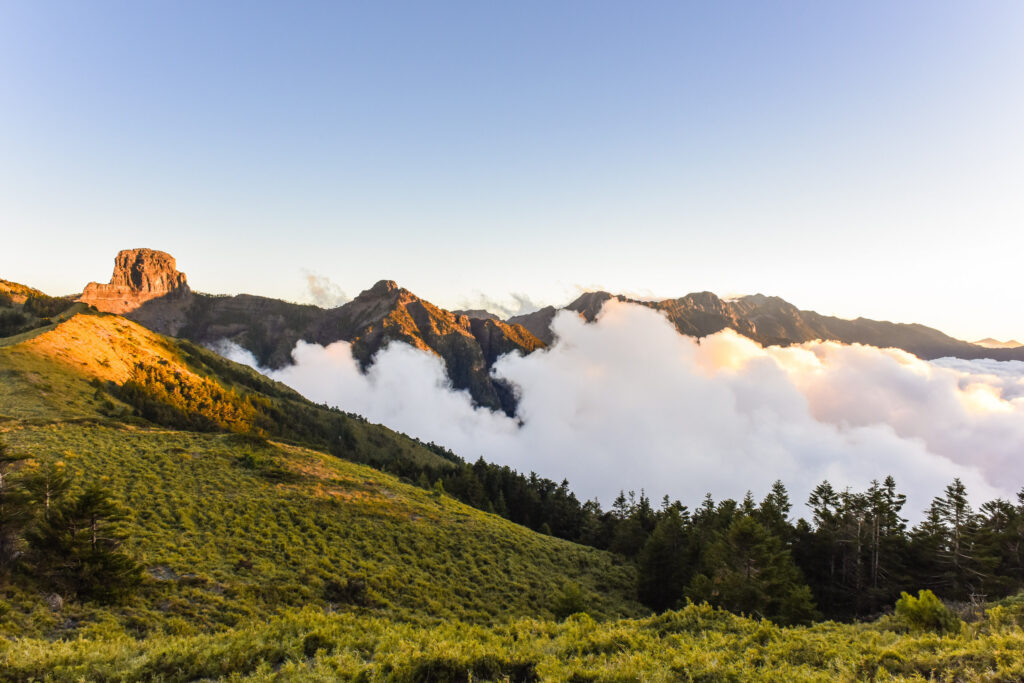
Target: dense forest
{"x": 852, "y": 559}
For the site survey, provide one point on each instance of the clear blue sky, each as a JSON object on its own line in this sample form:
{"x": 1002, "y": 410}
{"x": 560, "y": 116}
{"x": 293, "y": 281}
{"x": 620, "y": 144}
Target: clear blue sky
{"x": 859, "y": 158}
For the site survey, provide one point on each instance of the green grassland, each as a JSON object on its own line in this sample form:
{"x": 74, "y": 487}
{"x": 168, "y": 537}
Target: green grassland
{"x": 230, "y": 531}
{"x": 267, "y": 557}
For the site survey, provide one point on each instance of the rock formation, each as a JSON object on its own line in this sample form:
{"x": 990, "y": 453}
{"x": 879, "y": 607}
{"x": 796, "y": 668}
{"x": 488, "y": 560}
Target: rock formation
{"x": 140, "y": 275}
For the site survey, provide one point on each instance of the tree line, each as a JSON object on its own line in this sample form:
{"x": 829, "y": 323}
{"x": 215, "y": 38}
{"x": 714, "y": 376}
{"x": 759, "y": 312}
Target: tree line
{"x": 852, "y": 558}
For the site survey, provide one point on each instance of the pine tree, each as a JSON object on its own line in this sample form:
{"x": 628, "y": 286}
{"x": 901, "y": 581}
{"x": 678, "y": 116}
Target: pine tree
{"x": 662, "y": 569}
{"x": 14, "y": 508}
{"x": 774, "y": 510}
{"x": 47, "y": 485}
{"x": 77, "y": 546}
{"x": 958, "y": 570}
{"x": 747, "y": 570}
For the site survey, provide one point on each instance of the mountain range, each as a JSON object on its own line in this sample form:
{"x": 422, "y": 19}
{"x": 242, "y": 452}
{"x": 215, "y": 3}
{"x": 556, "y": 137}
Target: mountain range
{"x": 271, "y": 538}
{"x": 147, "y": 287}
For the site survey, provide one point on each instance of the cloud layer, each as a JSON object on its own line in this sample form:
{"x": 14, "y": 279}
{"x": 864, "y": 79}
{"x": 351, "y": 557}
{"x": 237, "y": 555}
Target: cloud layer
{"x": 628, "y": 403}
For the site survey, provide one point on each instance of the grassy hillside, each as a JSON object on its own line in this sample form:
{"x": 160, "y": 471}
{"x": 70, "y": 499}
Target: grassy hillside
{"x": 106, "y": 367}
{"x": 235, "y": 526}
{"x": 24, "y": 311}
{"x": 18, "y": 293}
{"x": 693, "y": 644}
{"x": 229, "y": 530}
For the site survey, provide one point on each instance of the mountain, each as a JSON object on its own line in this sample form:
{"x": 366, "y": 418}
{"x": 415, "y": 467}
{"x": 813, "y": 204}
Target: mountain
{"x": 990, "y": 343}
{"x": 139, "y": 276}
{"x": 264, "y": 557}
{"x": 468, "y": 346}
{"x": 244, "y": 499}
{"x": 538, "y": 323}
{"x": 770, "y": 320}
{"x": 147, "y": 288}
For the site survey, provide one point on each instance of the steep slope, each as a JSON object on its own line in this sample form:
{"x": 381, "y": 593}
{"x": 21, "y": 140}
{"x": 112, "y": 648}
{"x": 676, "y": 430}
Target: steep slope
{"x": 104, "y": 366}
{"x": 537, "y": 323}
{"x": 232, "y": 527}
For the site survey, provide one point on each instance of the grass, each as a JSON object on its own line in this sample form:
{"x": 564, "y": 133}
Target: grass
{"x": 229, "y": 531}
{"x": 696, "y": 643}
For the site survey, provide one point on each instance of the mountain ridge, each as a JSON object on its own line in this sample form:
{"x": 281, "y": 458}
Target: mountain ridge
{"x": 147, "y": 288}
{"x": 773, "y": 321}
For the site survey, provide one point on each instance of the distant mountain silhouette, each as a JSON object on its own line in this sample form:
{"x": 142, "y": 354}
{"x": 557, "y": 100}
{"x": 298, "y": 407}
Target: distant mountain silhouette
{"x": 990, "y": 343}
{"x": 147, "y": 288}
{"x": 770, "y": 320}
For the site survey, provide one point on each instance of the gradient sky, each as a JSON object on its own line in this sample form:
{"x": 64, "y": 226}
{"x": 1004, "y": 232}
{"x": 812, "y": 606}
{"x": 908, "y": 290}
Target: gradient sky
{"x": 858, "y": 158}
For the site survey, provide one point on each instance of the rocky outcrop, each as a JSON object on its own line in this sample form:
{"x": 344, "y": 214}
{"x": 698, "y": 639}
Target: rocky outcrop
{"x": 140, "y": 275}
{"x": 537, "y": 323}
{"x": 467, "y": 345}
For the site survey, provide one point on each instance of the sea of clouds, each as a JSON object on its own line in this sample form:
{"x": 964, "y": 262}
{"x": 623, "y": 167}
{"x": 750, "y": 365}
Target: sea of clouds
{"x": 626, "y": 402}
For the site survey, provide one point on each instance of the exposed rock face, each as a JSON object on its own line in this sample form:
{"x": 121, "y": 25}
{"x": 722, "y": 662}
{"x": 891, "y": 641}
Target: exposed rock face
{"x": 538, "y": 323}
{"x": 468, "y": 345}
{"x": 139, "y": 276}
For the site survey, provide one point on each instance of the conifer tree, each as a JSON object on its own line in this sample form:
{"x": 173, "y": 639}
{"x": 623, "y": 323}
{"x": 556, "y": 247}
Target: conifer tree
{"x": 77, "y": 546}
{"x": 747, "y": 570}
{"x": 47, "y": 485}
{"x": 14, "y": 510}
{"x": 662, "y": 568}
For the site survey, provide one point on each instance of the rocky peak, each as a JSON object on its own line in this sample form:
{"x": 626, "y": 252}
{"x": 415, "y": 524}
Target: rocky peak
{"x": 147, "y": 270}
{"x": 139, "y": 276}
{"x": 589, "y": 304}
{"x": 382, "y": 288}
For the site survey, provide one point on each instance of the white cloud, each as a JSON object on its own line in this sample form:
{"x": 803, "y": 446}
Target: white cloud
{"x": 628, "y": 403}
{"x": 323, "y": 292}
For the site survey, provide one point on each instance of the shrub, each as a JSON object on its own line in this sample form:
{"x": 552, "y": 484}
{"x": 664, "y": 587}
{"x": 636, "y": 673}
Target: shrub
{"x": 926, "y": 613}
{"x": 11, "y": 323}
{"x": 569, "y": 601}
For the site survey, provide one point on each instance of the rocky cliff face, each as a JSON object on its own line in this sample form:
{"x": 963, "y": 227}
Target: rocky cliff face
{"x": 140, "y": 275}
{"x": 468, "y": 345}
